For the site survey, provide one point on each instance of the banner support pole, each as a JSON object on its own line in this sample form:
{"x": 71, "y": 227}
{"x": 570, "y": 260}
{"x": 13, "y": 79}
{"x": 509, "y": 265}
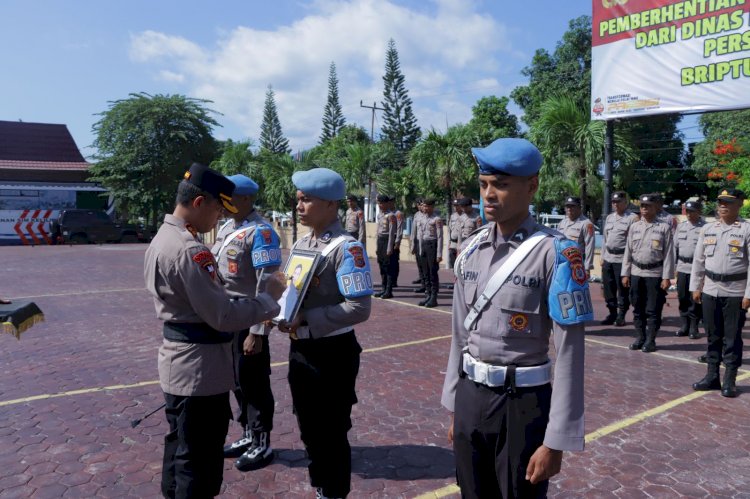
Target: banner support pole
{"x": 609, "y": 140}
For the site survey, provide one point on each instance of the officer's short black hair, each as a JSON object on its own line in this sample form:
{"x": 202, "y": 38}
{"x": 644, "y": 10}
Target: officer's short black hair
{"x": 187, "y": 192}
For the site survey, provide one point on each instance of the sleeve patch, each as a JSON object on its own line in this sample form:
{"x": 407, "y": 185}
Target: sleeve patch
{"x": 353, "y": 275}
{"x": 206, "y": 260}
{"x": 569, "y": 299}
{"x": 266, "y": 250}
{"x": 590, "y": 229}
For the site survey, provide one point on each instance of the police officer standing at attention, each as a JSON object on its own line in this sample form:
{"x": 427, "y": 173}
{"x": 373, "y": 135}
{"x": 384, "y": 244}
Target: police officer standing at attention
{"x": 324, "y": 353}
{"x": 414, "y": 242}
{"x": 355, "y": 220}
{"x": 385, "y": 243}
{"x": 579, "y": 229}
{"x": 431, "y": 250}
{"x": 663, "y": 215}
{"x": 470, "y": 220}
{"x": 720, "y": 280}
{"x": 686, "y": 238}
{"x": 518, "y": 283}
{"x": 399, "y": 237}
{"x": 196, "y": 359}
{"x": 616, "y": 229}
{"x": 649, "y": 259}
{"x": 247, "y": 251}
{"x": 454, "y": 232}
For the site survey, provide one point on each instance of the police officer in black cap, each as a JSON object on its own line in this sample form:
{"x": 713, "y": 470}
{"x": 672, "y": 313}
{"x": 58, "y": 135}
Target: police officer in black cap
{"x": 616, "y": 229}
{"x": 386, "y": 244}
{"x": 686, "y": 238}
{"x": 720, "y": 280}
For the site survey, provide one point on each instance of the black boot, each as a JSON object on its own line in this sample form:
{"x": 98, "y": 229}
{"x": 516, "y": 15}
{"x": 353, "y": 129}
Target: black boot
{"x": 610, "y": 319}
{"x": 684, "y": 326}
{"x": 258, "y": 455}
{"x": 419, "y": 289}
{"x": 729, "y": 386}
{"x": 703, "y": 359}
{"x": 710, "y": 381}
{"x": 431, "y": 300}
{"x": 417, "y": 281}
{"x": 650, "y": 345}
{"x": 384, "y": 284}
{"x": 693, "y": 330}
{"x": 388, "y": 292}
{"x": 238, "y": 447}
{"x": 620, "y": 319}
{"x": 423, "y": 302}
{"x": 640, "y": 339}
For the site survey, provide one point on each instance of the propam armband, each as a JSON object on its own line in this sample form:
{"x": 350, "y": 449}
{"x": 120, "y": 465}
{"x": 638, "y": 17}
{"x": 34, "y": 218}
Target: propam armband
{"x": 353, "y": 275}
{"x": 569, "y": 298}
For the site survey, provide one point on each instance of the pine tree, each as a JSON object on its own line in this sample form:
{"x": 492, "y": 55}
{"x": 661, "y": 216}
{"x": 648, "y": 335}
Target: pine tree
{"x": 333, "y": 119}
{"x": 400, "y": 125}
{"x": 271, "y": 136}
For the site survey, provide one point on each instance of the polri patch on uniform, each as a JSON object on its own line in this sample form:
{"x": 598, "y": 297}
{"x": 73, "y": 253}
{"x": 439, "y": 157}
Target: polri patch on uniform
{"x": 358, "y": 254}
{"x": 519, "y": 322}
{"x": 267, "y": 235}
{"x": 326, "y": 236}
{"x": 233, "y": 267}
{"x": 735, "y": 242}
{"x": 709, "y": 240}
{"x": 656, "y": 244}
{"x": 577, "y": 272}
{"x": 206, "y": 260}
{"x": 232, "y": 252}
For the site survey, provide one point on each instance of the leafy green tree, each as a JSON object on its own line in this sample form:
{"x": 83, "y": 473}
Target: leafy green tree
{"x": 333, "y": 118}
{"x": 145, "y": 143}
{"x": 271, "y": 136}
{"x": 236, "y": 157}
{"x": 565, "y": 72}
{"x": 722, "y": 126}
{"x": 491, "y": 120}
{"x": 400, "y": 125}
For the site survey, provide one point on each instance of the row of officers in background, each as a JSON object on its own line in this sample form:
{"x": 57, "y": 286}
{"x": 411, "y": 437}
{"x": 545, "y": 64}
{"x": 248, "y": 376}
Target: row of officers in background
{"x": 641, "y": 253}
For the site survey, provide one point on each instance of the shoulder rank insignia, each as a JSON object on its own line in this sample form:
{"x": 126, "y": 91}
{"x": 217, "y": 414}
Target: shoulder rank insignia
{"x": 569, "y": 299}
{"x": 266, "y": 250}
{"x": 353, "y": 275}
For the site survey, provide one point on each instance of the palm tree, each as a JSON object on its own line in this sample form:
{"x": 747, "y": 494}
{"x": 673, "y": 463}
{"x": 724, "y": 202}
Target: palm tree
{"x": 236, "y": 157}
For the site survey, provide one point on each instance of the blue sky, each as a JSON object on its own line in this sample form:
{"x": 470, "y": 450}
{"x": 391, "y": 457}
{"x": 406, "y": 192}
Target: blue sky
{"x": 64, "y": 61}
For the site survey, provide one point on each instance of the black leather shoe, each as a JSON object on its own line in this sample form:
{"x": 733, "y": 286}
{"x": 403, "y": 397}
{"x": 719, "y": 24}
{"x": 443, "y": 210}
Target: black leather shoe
{"x": 386, "y": 295}
{"x": 608, "y": 321}
{"x": 419, "y": 290}
{"x": 258, "y": 455}
{"x": 709, "y": 382}
{"x": 431, "y": 301}
{"x": 649, "y": 347}
{"x": 637, "y": 344}
{"x": 423, "y": 302}
{"x": 703, "y": 359}
{"x": 729, "y": 387}
{"x": 620, "y": 321}
{"x": 238, "y": 447}
{"x": 417, "y": 281}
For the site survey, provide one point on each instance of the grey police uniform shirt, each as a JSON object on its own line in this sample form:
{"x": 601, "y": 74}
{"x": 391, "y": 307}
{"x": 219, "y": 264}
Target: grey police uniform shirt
{"x": 454, "y": 229}
{"x": 515, "y": 328}
{"x": 685, "y": 240}
{"x": 581, "y": 231}
{"x": 324, "y": 308}
{"x": 667, "y": 218}
{"x": 616, "y": 229}
{"x": 722, "y": 249}
{"x": 399, "y": 228}
{"x": 180, "y": 274}
{"x": 430, "y": 228}
{"x": 649, "y": 244}
{"x": 414, "y": 236}
{"x": 354, "y": 221}
{"x": 387, "y": 228}
{"x": 469, "y": 223}
{"x": 235, "y": 261}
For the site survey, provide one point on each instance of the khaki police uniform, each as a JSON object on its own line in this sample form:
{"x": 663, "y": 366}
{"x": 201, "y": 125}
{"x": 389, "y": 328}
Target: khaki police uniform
{"x": 505, "y": 424}
{"x": 454, "y": 232}
{"x": 247, "y": 252}
{"x": 324, "y": 359}
{"x": 196, "y": 359}
{"x": 430, "y": 236}
{"x": 386, "y": 243}
{"x": 685, "y": 241}
{"x": 354, "y": 223}
{"x": 581, "y": 231}
{"x": 615, "y": 237}
{"x": 648, "y": 259}
{"x": 721, "y": 271}
{"x": 469, "y": 223}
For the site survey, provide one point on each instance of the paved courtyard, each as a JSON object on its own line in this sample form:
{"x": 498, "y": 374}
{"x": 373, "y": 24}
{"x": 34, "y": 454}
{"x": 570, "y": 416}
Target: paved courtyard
{"x": 71, "y": 386}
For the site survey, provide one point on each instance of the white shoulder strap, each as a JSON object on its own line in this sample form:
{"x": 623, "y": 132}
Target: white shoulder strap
{"x": 231, "y": 236}
{"x": 501, "y": 276}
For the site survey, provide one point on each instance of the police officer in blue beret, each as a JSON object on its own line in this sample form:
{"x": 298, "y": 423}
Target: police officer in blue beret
{"x": 518, "y": 283}
{"x": 247, "y": 251}
{"x": 324, "y": 352}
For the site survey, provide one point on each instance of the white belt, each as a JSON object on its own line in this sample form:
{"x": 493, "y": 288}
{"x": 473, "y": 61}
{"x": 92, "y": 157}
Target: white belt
{"x": 303, "y": 332}
{"x": 489, "y": 375}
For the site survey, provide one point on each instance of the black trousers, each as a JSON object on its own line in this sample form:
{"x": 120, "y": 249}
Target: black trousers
{"x": 616, "y": 295}
{"x": 452, "y": 254}
{"x": 396, "y": 260}
{"x": 688, "y": 308}
{"x": 322, "y": 377}
{"x": 723, "y": 320}
{"x": 494, "y": 437}
{"x": 193, "y": 449}
{"x": 428, "y": 250}
{"x": 648, "y": 301}
{"x": 386, "y": 263}
{"x": 255, "y": 398}
{"x": 418, "y": 258}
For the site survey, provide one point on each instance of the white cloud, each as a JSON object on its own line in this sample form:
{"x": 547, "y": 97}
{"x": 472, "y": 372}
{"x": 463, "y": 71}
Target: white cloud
{"x": 447, "y": 50}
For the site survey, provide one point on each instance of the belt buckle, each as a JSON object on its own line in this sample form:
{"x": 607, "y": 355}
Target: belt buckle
{"x": 481, "y": 372}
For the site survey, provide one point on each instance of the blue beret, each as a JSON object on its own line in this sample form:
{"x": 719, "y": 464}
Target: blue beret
{"x": 244, "y": 186}
{"x": 320, "y": 183}
{"x": 516, "y": 157}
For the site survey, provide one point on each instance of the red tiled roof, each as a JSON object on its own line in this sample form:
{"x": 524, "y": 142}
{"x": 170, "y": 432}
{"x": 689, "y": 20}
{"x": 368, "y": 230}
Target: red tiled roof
{"x": 20, "y": 141}
{"x": 43, "y": 165}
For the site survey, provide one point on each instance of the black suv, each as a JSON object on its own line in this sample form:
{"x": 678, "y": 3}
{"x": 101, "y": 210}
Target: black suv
{"x": 91, "y": 226}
